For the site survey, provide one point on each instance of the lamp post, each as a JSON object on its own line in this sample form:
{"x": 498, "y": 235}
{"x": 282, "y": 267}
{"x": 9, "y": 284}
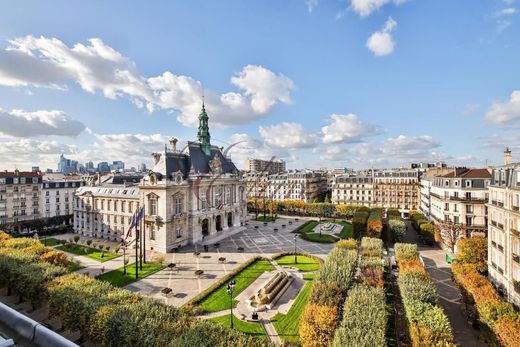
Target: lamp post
{"x": 295, "y": 256}
{"x": 230, "y": 287}
{"x": 123, "y": 244}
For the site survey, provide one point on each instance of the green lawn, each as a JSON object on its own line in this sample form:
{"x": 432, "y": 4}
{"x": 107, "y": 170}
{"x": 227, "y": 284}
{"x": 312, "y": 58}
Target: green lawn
{"x": 75, "y": 267}
{"x": 309, "y": 276}
{"x": 307, "y": 228}
{"x": 117, "y": 278}
{"x": 267, "y": 219}
{"x": 219, "y": 300}
{"x": 287, "y": 325}
{"x": 50, "y": 242}
{"x": 250, "y": 328}
{"x": 347, "y": 232}
{"x": 316, "y": 237}
{"x": 304, "y": 263}
{"x": 91, "y": 253}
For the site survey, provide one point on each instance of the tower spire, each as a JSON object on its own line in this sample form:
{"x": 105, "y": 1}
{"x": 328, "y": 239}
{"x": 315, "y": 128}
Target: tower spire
{"x": 203, "y": 133}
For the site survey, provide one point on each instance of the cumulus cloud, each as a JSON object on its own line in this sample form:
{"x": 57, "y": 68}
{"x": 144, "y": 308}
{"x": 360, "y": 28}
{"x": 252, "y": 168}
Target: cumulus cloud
{"x": 506, "y": 12}
{"x": 381, "y": 42}
{"x": 24, "y": 153}
{"x": 97, "y": 67}
{"x": 366, "y": 7}
{"x": 19, "y": 123}
{"x": 505, "y": 113}
{"x": 347, "y": 128}
{"x": 408, "y": 147}
{"x": 244, "y": 146}
{"x": 287, "y": 135}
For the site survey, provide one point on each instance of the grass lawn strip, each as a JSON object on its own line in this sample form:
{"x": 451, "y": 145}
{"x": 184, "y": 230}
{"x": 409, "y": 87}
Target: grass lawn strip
{"x": 219, "y": 300}
{"x": 307, "y": 228}
{"x": 347, "y": 232}
{"x": 287, "y": 325}
{"x": 304, "y": 263}
{"x": 116, "y": 277}
{"x": 50, "y": 242}
{"x": 316, "y": 237}
{"x": 250, "y": 328}
{"x": 88, "y": 252}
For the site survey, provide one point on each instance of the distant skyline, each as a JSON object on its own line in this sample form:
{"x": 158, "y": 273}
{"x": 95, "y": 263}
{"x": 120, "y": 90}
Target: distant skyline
{"x": 356, "y": 83}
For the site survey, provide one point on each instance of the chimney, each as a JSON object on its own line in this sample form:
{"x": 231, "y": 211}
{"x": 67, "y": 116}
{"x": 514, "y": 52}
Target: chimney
{"x": 173, "y": 144}
{"x": 507, "y": 156}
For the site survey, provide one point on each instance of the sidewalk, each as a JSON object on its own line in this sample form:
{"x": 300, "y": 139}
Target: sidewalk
{"x": 448, "y": 292}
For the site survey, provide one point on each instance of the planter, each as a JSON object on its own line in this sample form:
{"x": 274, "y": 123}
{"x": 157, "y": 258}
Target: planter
{"x": 222, "y": 260}
{"x": 166, "y": 291}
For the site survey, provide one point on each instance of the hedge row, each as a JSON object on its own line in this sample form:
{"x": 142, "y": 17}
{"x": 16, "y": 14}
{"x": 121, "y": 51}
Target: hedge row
{"x": 371, "y": 247}
{"x": 427, "y": 323}
{"x": 323, "y": 311}
{"x": 192, "y": 303}
{"x": 359, "y": 222}
{"x": 423, "y": 226}
{"x": 364, "y": 318}
{"x": 375, "y": 223}
{"x": 396, "y": 224}
{"x": 312, "y": 256}
{"x": 102, "y": 313}
{"x": 500, "y": 321}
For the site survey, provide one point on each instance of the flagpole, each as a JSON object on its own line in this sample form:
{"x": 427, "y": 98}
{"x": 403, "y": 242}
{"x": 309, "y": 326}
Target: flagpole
{"x": 136, "y": 250}
{"x": 144, "y": 236}
{"x": 141, "y": 242}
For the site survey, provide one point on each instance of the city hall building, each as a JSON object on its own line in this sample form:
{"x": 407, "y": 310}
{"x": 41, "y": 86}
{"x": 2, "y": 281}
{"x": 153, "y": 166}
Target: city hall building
{"x": 190, "y": 196}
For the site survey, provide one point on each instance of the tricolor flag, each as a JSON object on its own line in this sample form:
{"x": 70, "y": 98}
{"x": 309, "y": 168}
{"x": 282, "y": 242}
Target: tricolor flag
{"x": 133, "y": 224}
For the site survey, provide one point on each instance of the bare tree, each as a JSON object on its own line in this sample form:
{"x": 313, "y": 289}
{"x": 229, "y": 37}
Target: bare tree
{"x": 451, "y": 233}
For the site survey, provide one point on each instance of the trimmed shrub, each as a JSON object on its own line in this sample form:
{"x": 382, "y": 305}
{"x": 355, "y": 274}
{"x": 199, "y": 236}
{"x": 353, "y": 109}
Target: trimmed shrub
{"x": 397, "y": 228}
{"x": 473, "y": 250}
{"x": 371, "y": 247}
{"x": 347, "y": 244}
{"x": 326, "y": 294}
{"x": 317, "y": 326}
{"x": 359, "y": 222}
{"x": 364, "y": 318}
{"x": 375, "y": 223}
{"x": 339, "y": 268}
{"x": 428, "y": 325}
{"x": 406, "y": 252}
{"x": 508, "y": 331}
{"x": 417, "y": 286}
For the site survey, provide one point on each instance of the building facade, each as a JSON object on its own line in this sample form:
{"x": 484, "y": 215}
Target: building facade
{"x": 57, "y": 194}
{"x": 304, "y": 185}
{"x": 268, "y": 166}
{"x": 504, "y": 234}
{"x": 189, "y": 196}
{"x": 397, "y": 188}
{"x": 20, "y": 194}
{"x": 426, "y": 185}
{"x": 67, "y": 166}
{"x": 459, "y": 198}
{"x": 353, "y": 190}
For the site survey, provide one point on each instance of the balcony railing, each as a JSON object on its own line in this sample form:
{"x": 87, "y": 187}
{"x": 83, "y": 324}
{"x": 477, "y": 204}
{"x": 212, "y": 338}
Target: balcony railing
{"x": 516, "y": 258}
{"x": 469, "y": 199}
{"x": 515, "y": 208}
{"x": 515, "y": 232}
{"x": 497, "y": 203}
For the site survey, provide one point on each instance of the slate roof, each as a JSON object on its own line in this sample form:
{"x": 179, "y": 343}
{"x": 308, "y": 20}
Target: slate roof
{"x": 469, "y": 173}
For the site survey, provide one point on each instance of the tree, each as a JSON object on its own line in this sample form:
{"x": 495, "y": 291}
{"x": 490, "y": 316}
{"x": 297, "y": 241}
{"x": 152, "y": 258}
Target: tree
{"x": 451, "y": 233}
{"x": 76, "y": 239}
{"x": 473, "y": 250}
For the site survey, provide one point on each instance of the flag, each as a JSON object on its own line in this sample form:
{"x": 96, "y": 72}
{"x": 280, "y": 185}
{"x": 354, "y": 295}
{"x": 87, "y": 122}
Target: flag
{"x": 133, "y": 223}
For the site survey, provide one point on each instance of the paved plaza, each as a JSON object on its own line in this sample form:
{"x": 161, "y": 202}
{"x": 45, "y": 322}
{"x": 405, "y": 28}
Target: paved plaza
{"x": 263, "y": 241}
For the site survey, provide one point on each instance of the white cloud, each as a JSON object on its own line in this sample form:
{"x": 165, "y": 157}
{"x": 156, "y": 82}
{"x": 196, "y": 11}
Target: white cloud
{"x": 287, "y": 135}
{"x": 410, "y": 147}
{"x": 243, "y": 147}
{"x": 24, "y": 153}
{"x": 506, "y": 12}
{"x": 347, "y": 128}
{"x": 381, "y": 42}
{"x": 19, "y": 123}
{"x": 505, "y": 113}
{"x": 366, "y": 7}
{"x": 95, "y": 66}
{"x": 311, "y": 4}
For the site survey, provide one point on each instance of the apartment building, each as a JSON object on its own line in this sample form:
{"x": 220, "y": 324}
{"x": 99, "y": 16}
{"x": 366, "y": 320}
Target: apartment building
{"x": 426, "y": 183}
{"x": 57, "y": 194}
{"x": 19, "y": 196}
{"x": 460, "y": 197}
{"x": 268, "y": 166}
{"x": 397, "y": 188}
{"x": 305, "y": 185}
{"x": 504, "y": 229}
{"x": 256, "y": 184}
{"x": 353, "y": 190}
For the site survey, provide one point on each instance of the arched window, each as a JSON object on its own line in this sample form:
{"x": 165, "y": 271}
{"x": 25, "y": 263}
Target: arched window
{"x": 152, "y": 205}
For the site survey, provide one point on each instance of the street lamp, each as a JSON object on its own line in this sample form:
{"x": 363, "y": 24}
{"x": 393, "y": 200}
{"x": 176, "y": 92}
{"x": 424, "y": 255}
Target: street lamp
{"x": 123, "y": 244}
{"x": 230, "y": 287}
{"x": 295, "y": 256}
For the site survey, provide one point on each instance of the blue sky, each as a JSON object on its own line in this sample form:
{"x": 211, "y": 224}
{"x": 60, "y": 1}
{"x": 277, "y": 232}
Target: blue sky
{"x": 354, "y": 83}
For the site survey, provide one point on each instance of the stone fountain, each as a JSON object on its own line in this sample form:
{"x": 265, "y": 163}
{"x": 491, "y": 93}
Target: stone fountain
{"x": 270, "y": 292}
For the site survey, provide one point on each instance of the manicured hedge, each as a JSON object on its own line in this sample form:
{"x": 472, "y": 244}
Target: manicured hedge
{"x": 423, "y": 226}
{"x": 427, "y": 323}
{"x": 375, "y": 223}
{"x": 473, "y": 250}
{"x": 397, "y": 228}
{"x": 364, "y": 318}
{"x": 359, "y": 222}
{"x": 323, "y": 311}
{"x": 498, "y": 318}
{"x": 371, "y": 247}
